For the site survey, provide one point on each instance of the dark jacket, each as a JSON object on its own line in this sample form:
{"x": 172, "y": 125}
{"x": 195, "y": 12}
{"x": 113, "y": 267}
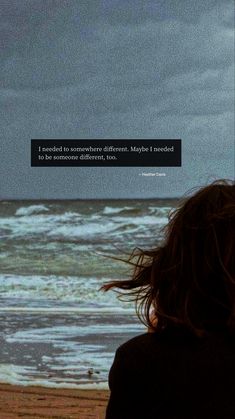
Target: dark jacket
{"x": 173, "y": 374}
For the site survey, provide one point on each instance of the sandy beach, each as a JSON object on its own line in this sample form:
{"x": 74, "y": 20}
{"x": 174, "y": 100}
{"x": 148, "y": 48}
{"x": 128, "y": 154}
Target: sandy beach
{"x": 40, "y": 402}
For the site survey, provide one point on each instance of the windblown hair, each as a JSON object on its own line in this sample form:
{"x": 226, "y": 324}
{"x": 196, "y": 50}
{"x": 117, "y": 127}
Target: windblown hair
{"x": 190, "y": 279}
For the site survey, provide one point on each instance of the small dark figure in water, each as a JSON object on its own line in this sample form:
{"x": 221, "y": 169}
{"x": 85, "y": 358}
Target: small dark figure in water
{"x": 185, "y": 293}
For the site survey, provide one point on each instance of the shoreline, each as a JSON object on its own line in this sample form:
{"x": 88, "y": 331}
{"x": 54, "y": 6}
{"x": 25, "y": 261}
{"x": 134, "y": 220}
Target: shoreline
{"x": 43, "y": 402}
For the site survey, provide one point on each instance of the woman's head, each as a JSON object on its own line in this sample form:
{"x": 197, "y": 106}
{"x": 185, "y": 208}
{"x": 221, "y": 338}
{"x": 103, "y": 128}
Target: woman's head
{"x": 190, "y": 279}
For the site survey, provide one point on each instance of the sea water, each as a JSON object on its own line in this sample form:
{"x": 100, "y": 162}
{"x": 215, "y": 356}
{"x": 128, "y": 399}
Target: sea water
{"x": 57, "y": 328}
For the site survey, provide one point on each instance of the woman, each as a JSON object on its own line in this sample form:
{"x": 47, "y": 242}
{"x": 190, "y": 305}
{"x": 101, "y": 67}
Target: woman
{"x": 185, "y": 293}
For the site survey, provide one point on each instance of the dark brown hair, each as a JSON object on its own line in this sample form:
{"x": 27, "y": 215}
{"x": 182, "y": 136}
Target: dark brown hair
{"x": 189, "y": 280}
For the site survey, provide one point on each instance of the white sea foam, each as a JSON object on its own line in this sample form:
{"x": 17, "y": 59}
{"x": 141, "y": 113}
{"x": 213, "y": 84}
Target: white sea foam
{"x": 143, "y": 221}
{"x": 53, "y": 334}
{"x": 72, "y": 224}
{"x": 115, "y": 210}
{"x": 76, "y": 352}
{"x": 81, "y": 291}
{"x": 31, "y": 209}
{"x": 13, "y": 374}
{"x": 69, "y": 310}
{"x": 86, "y": 230}
{"x": 28, "y": 376}
{"x": 162, "y": 211}
{"x": 39, "y": 223}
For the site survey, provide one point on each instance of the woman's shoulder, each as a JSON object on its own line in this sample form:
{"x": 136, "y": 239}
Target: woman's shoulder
{"x": 139, "y": 342}
{"x": 159, "y": 337}
{"x": 174, "y": 340}
{"x": 147, "y": 345}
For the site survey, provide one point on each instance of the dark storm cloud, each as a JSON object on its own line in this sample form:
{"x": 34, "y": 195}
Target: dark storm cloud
{"x": 117, "y": 69}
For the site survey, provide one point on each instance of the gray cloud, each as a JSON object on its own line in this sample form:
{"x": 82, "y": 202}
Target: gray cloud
{"x": 116, "y": 69}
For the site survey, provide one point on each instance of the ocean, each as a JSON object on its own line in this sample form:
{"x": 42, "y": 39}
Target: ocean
{"x": 57, "y": 328}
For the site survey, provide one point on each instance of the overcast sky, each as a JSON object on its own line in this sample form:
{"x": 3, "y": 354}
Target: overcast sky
{"x": 116, "y": 69}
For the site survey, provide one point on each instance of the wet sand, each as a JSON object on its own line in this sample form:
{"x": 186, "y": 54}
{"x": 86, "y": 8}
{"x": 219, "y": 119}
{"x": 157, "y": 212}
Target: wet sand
{"x": 40, "y": 402}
